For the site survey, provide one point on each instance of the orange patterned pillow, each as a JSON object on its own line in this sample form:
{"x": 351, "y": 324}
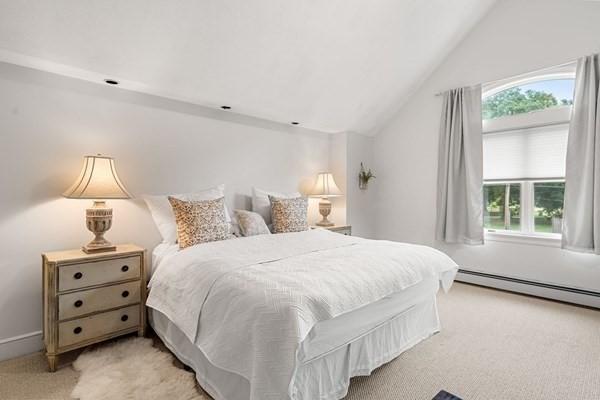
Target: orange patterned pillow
{"x": 289, "y": 215}
{"x": 200, "y": 221}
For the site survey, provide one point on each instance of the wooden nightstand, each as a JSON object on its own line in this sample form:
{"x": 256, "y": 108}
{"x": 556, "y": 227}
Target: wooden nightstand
{"x": 89, "y": 298}
{"x": 343, "y": 229}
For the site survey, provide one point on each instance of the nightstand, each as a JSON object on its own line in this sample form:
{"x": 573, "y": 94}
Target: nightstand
{"x": 343, "y": 229}
{"x": 89, "y": 298}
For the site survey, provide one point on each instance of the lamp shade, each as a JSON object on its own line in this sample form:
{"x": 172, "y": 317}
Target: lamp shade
{"x": 325, "y": 186}
{"x": 98, "y": 180}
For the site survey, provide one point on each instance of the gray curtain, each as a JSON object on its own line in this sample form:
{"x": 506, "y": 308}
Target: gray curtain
{"x": 581, "y": 219}
{"x": 460, "y": 168}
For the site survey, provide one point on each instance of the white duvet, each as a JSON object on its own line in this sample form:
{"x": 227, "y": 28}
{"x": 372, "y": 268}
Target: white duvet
{"x": 249, "y": 303}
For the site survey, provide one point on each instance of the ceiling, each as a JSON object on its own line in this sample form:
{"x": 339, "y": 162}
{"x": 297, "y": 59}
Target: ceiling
{"x": 331, "y": 65}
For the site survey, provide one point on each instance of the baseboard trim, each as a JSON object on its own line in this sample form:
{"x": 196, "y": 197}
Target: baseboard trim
{"x": 20, "y": 345}
{"x": 566, "y": 294}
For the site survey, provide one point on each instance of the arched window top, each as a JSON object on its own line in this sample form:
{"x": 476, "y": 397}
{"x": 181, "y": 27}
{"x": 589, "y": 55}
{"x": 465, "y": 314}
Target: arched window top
{"x": 542, "y": 90}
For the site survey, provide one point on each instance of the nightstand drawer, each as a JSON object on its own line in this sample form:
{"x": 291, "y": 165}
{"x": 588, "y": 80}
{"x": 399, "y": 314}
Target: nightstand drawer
{"x": 346, "y": 230}
{"x": 74, "y": 304}
{"x": 77, "y": 276}
{"x": 96, "y": 326}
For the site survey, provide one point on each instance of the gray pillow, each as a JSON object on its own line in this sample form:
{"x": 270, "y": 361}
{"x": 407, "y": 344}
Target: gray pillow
{"x": 251, "y": 223}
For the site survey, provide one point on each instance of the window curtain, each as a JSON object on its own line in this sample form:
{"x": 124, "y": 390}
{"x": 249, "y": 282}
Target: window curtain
{"x": 460, "y": 168}
{"x": 581, "y": 218}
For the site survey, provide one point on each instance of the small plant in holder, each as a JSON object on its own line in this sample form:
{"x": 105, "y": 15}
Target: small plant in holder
{"x": 364, "y": 176}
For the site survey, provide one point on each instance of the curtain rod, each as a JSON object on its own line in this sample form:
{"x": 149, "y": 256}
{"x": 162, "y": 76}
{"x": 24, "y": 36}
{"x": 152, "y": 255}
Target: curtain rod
{"x": 514, "y": 76}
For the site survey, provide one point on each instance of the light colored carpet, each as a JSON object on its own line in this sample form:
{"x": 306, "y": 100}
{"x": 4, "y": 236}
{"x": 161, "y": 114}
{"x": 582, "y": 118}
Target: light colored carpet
{"x": 496, "y": 346}
{"x": 493, "y": 346}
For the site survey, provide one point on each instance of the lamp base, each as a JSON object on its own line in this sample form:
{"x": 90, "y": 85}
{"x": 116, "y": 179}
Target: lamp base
{"x": 92, "y": 250}
{"x": 98, "y": 220}
{"x": 325, "y": 210}
{"x": 325, "y": 223}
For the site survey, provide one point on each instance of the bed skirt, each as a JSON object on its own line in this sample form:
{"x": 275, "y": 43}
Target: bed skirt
{"x": 325, "y": 377}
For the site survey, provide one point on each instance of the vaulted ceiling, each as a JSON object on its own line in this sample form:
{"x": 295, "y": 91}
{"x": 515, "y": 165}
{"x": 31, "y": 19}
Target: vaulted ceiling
{"x": 331, "y": 65}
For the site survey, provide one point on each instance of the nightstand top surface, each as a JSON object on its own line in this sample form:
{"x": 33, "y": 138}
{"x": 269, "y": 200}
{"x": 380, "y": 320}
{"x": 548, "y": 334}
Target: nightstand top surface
{"x": 79, "y": 255}
{"x": 334, "y": 227}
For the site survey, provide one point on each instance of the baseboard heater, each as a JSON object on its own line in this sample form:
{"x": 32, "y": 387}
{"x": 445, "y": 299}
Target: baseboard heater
{"x": 571, "y": 295}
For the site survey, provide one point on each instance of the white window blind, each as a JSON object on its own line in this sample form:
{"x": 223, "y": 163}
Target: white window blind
{"x": 532, "y": 153}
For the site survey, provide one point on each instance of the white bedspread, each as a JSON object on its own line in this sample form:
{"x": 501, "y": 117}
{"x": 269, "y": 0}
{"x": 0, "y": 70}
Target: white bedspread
{"x": 249, "y": 303}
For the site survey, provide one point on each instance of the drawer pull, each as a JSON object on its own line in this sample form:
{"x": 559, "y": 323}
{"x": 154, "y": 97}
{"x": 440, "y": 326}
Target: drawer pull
{"x": 78, "y": 303}
{"x": 125, "y": 268}
{"x": 77, "y": 330}
{"x": 78, "y": 275}
{"x": 125, "y": 293}
{"x": 124, "y": 318}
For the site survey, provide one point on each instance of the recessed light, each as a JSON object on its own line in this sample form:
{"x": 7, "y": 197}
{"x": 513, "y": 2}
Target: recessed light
{"x": 111, "y": 81}
{"x": 226, "y": 107}
{"x": 295, "y": 123}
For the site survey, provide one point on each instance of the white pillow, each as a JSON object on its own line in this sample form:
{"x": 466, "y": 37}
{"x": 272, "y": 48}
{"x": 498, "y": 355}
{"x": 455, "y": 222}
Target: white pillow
{"x": 162, "y": 212}
{"x": 262, "y": 205}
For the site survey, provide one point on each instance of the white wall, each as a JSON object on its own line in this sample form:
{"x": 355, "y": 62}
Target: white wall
{"x": 338, "y": 154}
{"x": 360, "y": 203}
{"x": 47, "y": 124}
{"x": 355, "y": 208}
{"x": 515, "y": 37}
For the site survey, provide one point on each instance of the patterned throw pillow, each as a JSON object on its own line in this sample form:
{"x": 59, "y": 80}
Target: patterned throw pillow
{"x": 289, "y": 215}
{"x": 251, "y": 223}
{"x": 200, "y": 221}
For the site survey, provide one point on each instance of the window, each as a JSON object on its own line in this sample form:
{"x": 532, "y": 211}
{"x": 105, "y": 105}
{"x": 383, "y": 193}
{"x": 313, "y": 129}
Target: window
{"x": 533, "y": 207}
{"x": 548, "y": 205}
{"x": 525, "y": 132}
{"x": 529, "y": 97}
{"x": 502, "y": 206}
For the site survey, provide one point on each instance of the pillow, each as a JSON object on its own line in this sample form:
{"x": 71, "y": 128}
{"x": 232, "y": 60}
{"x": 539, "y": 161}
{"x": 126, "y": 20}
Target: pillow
{"x": 199, "y": 221}
{"x": 235, "y": 226}
{"x": 162, "y": 212}
{"x": 262, "y": 205}
{"x": 251, "y": 223}
{"x": 289, "y": 215}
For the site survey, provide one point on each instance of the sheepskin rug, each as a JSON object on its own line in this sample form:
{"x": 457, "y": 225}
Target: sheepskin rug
{"x": 132, "y": 369}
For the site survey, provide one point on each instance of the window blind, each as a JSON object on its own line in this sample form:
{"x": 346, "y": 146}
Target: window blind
{"x": 532, "y": 153}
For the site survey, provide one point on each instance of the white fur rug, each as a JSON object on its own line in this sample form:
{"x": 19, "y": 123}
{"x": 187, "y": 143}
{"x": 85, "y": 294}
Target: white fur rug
{"x": 132, "y": 369}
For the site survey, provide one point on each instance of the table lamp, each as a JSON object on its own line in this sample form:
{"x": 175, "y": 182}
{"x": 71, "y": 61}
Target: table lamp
{"x": 325, "y": 188}
{"x": 98, "y": 181}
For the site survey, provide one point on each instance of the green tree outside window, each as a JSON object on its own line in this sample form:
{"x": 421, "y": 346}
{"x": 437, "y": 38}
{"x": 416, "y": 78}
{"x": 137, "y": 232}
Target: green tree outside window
{"x": 516, "y": 101}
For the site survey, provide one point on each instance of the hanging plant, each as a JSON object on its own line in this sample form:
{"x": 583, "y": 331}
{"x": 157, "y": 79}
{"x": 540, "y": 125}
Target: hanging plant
{"x": 364, "y": 176}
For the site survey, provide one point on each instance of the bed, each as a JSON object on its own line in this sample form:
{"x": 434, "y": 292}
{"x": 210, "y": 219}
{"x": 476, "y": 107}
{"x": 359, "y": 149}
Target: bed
{"x": 295, "y": 315}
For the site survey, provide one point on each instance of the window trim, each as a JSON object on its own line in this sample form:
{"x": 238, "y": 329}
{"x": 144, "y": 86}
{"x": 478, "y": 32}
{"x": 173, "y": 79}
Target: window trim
{"x": 541, "y": 239}
{"x": 560, "y": 115}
